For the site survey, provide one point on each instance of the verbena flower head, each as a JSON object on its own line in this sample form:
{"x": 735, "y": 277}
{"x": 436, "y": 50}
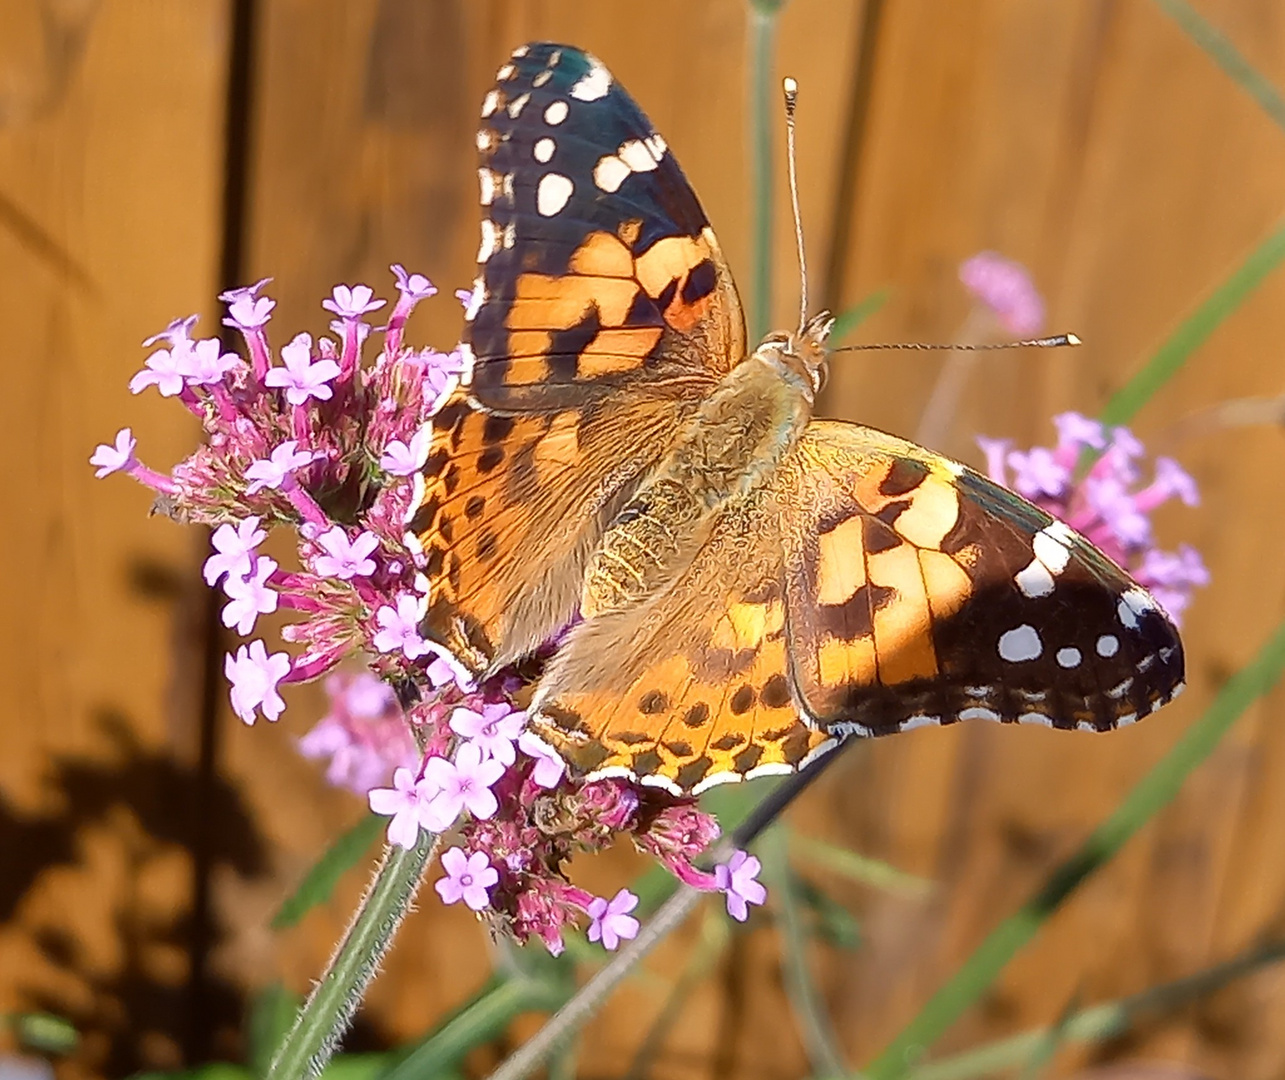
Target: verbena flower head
{"x": 1005, "y": 287}
{"x": 1109, "y": 503}
{"x": 323, "y": 438}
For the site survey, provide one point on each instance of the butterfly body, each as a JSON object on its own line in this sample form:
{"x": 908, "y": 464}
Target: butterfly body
{"x": 733, "y": 584}
{"x": 731, "y": 446}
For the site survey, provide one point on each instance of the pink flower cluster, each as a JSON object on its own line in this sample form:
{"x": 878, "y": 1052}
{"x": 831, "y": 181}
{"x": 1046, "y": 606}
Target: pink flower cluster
{"x": 1108, "y": 502}
{"x": 328, "y": 446}
{"x": 1005, "y": 287}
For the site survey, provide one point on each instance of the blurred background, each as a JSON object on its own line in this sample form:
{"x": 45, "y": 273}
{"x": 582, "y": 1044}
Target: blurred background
{"x": 152, "y": 153}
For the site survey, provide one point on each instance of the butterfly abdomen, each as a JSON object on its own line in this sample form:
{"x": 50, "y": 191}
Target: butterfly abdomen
{"x": 731, "y": 446}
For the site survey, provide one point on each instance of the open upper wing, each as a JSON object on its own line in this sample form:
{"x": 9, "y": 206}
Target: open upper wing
{"x": 602, "y": 314}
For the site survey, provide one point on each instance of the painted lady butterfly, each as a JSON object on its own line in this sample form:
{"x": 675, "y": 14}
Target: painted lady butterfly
{"x": 746, "y": 583}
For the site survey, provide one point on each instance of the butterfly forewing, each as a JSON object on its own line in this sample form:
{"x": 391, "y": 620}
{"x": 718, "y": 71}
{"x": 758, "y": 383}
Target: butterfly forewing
{"x": 598, "y": 265}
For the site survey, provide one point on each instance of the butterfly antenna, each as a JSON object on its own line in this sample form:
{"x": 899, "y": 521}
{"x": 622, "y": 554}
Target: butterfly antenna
{"x": 791, "y": 103}
{"x": 1055, "y": 342}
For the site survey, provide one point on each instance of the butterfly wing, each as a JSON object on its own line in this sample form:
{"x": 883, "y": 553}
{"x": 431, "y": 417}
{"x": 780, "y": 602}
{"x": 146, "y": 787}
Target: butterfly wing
{"x": 871, "y": 587}
{"x": 919, "y": 592}
{"x": 598, "y": 266}
{"x": 691, "y": 687}
{"x": 603, "y": 312}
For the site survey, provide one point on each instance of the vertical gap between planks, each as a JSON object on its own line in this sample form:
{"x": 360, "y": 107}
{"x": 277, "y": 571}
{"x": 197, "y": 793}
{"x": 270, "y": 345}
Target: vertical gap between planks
{"x": 238, "y": 108}
{"x": 844, "y": 212}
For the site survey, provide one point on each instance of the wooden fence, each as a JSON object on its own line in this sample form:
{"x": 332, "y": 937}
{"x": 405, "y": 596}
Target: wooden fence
{"x": 151, "y": 151}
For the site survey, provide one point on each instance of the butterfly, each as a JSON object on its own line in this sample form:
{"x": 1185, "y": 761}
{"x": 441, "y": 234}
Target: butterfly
{"x": 734, "y": 586}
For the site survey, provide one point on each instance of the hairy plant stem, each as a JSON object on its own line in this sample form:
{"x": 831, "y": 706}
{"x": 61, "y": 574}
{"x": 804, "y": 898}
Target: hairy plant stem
{"x": 329, "y": 1010}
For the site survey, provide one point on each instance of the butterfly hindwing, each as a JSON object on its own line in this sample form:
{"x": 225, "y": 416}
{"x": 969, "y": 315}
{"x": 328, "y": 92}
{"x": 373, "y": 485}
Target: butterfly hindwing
{"x": 690, "y": 688}
{"x": 598, "y": 267}
{"x": 920, "y": 592}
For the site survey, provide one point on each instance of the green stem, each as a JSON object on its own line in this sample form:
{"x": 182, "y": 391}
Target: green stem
{"x": 763, "y": 21}
{"x": 326, "y": 1014}
{"x": 1150, "y": 794}
{"x": 1226, "y": 56}
{"x": 1099, "y": 1022}
{"x": 1195, "y": 329}
{"x": 809, "y": 1010}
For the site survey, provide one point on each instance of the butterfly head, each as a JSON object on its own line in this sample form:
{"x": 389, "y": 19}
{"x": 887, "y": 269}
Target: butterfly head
{"x": 801, "y": 356}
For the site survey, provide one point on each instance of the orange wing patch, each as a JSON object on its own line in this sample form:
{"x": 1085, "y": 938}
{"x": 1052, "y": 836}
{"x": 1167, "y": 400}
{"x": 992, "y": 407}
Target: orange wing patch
{"x": 692, "y": 688}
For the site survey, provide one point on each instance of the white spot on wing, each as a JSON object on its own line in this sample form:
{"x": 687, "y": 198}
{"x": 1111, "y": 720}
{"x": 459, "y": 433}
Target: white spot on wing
{"x": 1020, "y": 644}
{"x": 1051, "y": 550}
{"x": 1133, "y": 604}
{"x": 611, "y": 772}
{"x": 518, "y": 104}
{"x": 662, "y": 782}
{"x": 1069, "y": 657}
{"x": 656, "y": 145}
{"x": 1034, "y": 580}
{"x": 505, "y": 73}
{"x": 1126, "y": 719}
{"x": 416, "y": 499}
{"x": 593, "y": 84}
{"x": 491, "y": 102}
{"x": 552, "y": 194}
{"x": 1085, "y": 725}
{"x": 486, "y": 183}
{"x": 715, "y": 779}
{"x": 610, "y": 173}
{"x": 1108, "y": 645}
{"x": 919, "y": 720}
{"x": 1035, "y": 718}
{"x": 466, "y": 376}
{"x": 555, "y": 113}
{"x": 635, "y": 154}
{"x": 772, "y": 768}
{"x": 490, "y": 240}
{"x": 978, "y": 714}
{"x": 542, "y": 78}
{"x": 411, "y": 542}
{"x": 543, "y": 149}
{"x": 520, "y": 52}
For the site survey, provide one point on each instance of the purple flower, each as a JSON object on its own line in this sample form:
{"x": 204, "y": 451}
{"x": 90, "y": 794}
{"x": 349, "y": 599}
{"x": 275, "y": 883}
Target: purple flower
{"x": 1038, "y": 472}
{"x": 1006, "y": 288}
{"x": 1104, "y": 503}
{"x": 283, "y": 461}
{"x": 346, "y": 558}
{"x": 399, "y": 627}
{"x": 736, "y": 877}
{"x": 468, "y": 877}
{"x": 249, "y": 597}
{"x": 549, "y": 766}
{"x": 365, "y": 734}
{"x": 178, "y": 331}
{"x": 492, "y": 730}
{"x": 165, "y": 369}
{"x": 254, "y": 676}
{"x": 415, "y": 286}
{"x": 407, "y": 801}
{"x": 206, "y": 363}
{"x": 352, "y": 303}
{"x": 244, "y": 291}
{"x": 302, "y": 378}
{"x": 234, "y": 550}
{"x": 611, "y": 921}
{"x": 1076, "y": 432}
{"x": 462, "y": 784}
{"x": 110, "y": 459}
{"x": 248, "y": 313}
{"x": 399, "y": 459}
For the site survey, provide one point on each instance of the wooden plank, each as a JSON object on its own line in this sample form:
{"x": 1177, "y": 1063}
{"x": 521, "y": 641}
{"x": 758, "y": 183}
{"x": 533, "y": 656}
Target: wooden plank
{"x": 110, "y": 159}
{"x": 1077, "y": 138}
